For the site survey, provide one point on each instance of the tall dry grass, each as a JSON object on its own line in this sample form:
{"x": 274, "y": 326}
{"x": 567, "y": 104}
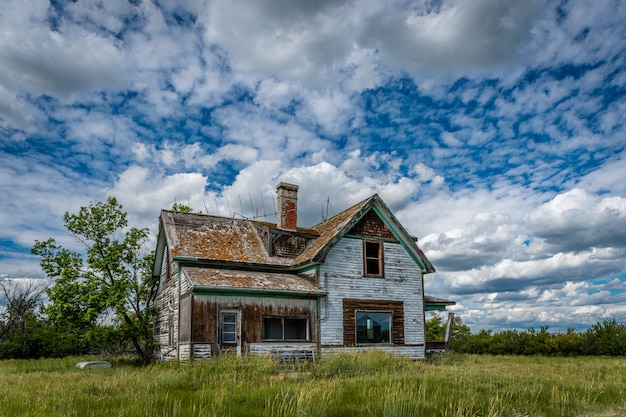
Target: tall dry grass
{"x": 365, "y": 384}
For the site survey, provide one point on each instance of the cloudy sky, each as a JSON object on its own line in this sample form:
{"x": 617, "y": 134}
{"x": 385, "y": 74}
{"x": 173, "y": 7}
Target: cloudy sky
{"x": 494, "y": 130}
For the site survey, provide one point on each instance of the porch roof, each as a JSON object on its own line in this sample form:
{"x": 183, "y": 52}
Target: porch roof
{"x": 209, "y": 279}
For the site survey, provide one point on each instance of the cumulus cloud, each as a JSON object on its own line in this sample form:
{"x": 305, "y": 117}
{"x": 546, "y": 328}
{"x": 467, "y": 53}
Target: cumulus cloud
{"x": 299, "y": 40}
{"x": 576, "y": 221}
{"x": 142, "y": 194}
{"x": 476, "y": 35}
{"x": 494, "y": 130}
{"x": 313, "y": 44}
{"x": 543, "y": 259}
{"x": 37, "y": 60}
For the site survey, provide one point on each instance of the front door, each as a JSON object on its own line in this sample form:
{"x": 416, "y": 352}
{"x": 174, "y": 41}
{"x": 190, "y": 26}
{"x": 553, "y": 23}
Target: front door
{"x": 230, "y": 329}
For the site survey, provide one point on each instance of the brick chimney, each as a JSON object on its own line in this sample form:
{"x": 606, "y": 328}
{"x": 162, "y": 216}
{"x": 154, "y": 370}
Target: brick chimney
{"x": 287, "y": 206}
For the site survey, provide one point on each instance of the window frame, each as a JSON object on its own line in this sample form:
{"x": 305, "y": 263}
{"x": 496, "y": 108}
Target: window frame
{"x": 369, "y": 343}
{"x": 224, "y": 325}
{"x": 379, "y": 259}
{"x": 307, "y": 333}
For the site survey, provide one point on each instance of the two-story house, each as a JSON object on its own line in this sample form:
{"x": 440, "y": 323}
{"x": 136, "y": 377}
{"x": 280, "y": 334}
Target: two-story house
{"x": 354, "y": 281}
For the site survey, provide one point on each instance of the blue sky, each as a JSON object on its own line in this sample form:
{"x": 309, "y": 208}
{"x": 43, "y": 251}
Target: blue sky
{"x": 494, "y": 131}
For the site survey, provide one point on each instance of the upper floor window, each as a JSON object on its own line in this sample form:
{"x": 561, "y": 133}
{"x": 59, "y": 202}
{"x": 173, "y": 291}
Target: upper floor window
{"x": 373, "y": 258}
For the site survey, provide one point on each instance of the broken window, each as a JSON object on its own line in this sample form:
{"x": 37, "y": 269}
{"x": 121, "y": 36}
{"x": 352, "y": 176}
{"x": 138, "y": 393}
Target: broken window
{"x": 372, "y": 258}
{"x": 373, "y": 327}
{"x": 285, "y": 328}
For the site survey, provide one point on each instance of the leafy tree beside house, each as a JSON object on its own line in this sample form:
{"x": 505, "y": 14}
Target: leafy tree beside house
{"x": 113, "y": 279}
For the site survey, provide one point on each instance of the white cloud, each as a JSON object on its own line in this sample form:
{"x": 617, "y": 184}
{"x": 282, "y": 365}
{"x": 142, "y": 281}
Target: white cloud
{"x": 454, "y": 38}
{"x": 212, "y": 103}
{"x": 607, "y": 178}
{"x": 37, "y": 60}
{"x": 577, "y": 220}
{"x": 315, "y": 43}
{"x": 143, "y": 194}
{"x": 298, "y": 40}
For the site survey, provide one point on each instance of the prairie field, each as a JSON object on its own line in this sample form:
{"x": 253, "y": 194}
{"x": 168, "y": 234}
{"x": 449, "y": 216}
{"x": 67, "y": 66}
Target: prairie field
{"x": 372, "y": 384}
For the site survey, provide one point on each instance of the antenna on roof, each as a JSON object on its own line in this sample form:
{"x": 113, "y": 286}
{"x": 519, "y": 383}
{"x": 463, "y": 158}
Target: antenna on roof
{"x": 230, "y": 212}
{"x": 216, "y": 206}
{"x": 241, "y": 205}
{"x": 325, "y": 215}
{"x": 263, "y": 204}
{"x": 206, "y": 210}
{"x": 275, "y": 209}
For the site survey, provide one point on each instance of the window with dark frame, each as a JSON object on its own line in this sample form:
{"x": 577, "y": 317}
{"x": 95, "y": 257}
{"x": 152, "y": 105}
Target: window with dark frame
{"x": 373, "y": 327}
{"x": 229, "y": 328}
{"x": 285, "y": 328}
{"x": 373, "y": 258}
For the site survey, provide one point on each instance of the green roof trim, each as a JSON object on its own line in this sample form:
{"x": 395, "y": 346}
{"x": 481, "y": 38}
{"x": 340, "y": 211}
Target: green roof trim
{"x": 251, "y": 292}
{"x": 434, "y": 308}
{"x": 402, "y": 236}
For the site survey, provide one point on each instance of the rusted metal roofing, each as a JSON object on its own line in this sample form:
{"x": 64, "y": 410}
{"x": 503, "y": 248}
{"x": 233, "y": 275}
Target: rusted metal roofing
{"x": 249, "y": 280}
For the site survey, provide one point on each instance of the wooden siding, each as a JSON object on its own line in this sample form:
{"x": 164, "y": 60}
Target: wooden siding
{"x": 166, "y": 304}
{"x": 412, "y": 351}
{"x": 186, "y": 319}
{"x": 206, "y": 309}
{"x": 342, "y": 277}
{"x": 266, "y": 348}
{"x": 172, "y": 325}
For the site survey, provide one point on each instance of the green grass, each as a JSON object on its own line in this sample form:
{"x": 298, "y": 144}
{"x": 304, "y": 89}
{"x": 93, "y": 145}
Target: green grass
{"x": 372, "y": 384}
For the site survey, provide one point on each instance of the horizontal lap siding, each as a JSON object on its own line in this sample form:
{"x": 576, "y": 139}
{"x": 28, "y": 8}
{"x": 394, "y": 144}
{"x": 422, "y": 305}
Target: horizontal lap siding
{"x": 266, "y": 348}
{"x": 341, "y": 276}
{"x": 413, "y": 352}
{"x": 166, "y": 304}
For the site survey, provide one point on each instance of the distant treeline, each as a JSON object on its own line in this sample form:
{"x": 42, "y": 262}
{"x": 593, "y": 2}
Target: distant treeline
{"x": 27, "y": 333}
{"x": 607, "y": 338}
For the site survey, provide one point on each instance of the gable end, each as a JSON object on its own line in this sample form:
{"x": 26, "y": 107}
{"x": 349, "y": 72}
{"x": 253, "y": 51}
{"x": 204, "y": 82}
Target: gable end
{"x": 371, "y": 226}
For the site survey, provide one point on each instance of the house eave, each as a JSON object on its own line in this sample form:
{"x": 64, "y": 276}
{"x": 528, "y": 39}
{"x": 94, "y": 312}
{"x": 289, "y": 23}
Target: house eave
{"x": 245, "y": 266}
{"x": 210, "y": 290}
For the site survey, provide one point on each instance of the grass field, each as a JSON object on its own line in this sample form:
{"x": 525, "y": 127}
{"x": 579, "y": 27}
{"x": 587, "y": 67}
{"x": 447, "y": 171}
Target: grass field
{"x": 347, "y": 385}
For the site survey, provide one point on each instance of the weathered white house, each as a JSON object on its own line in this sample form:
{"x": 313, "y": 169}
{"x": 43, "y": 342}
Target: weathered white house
{"x": 354, "y": 281}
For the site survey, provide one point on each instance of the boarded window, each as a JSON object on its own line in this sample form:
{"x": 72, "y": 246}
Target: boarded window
{"x": 372, "y": 258}
{"x": 285, "y": 328}
{"x": 373, "y": 327}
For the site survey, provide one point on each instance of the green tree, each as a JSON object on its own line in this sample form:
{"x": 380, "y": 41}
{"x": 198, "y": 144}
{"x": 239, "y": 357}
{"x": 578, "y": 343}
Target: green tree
{"x": 183, "y": 208}
{"x": 114, "y": 278}
{"x": 435, "y": 328}
{"x": 606, "y": 338}
{"x": 19, "y": 317}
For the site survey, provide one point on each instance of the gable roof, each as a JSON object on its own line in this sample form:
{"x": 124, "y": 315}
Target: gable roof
{"x": 201, "y": 238}
{"x": 339, "y": 225}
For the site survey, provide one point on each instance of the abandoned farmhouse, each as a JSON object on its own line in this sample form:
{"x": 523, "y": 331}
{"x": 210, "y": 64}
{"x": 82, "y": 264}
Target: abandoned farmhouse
{"x": 354, "y": 281}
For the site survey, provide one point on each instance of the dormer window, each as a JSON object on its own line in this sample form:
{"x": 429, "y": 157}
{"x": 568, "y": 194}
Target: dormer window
{"x": 373, "y": 259}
